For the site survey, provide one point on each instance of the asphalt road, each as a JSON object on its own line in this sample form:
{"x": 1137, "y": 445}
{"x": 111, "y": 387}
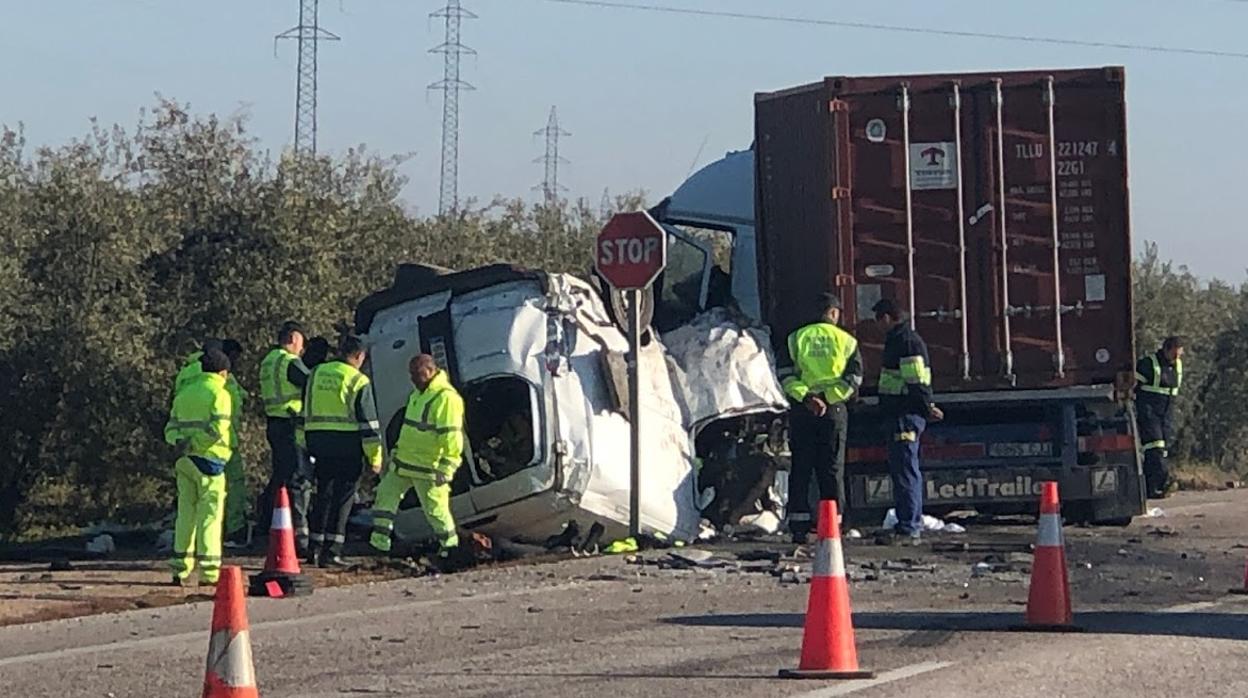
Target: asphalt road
{"x": 1151, "y": 599}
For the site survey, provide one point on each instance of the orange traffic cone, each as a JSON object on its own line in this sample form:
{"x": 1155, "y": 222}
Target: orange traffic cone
{"x": 1048, "y": 602}
{"x": 828, "y": 650}
{"x": 230, "y": 673}
{"x": 281, "y": 575}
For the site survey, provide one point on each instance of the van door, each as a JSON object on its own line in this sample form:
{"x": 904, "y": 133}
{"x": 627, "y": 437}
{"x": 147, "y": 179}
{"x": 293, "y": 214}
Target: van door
{"x": 500, "y": 338}
{"x": 398, "y": 334}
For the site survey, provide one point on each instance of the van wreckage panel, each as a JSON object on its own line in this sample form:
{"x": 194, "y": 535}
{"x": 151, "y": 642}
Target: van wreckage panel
{"x": 555, "y": 334}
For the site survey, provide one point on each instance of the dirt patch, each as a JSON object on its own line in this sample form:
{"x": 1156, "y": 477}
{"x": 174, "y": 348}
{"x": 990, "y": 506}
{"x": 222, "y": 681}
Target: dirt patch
{"x": 31, "y": 592}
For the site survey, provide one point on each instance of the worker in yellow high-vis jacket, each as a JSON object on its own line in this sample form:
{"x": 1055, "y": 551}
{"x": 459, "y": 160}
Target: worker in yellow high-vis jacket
{"x": 283, "y": 378}
{"x": 339, "y": 428}
{"x": 199, "y": 427}
{"x": 429, "y": 451}
{"x": 824, "y": 372}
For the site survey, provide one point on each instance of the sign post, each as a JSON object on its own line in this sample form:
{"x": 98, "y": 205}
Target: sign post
{"x": 630, "y": 253}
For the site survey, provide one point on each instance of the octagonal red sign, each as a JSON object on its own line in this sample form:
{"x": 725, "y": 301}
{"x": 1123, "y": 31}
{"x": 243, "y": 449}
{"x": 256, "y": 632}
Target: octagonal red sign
{"x": 631, "y": 250}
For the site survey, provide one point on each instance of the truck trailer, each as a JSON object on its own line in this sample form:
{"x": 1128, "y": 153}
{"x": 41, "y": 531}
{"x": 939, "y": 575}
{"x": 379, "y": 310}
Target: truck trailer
{"x": 991, "y": 206}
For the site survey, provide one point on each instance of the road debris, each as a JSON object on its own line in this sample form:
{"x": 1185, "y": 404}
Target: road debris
{"x": 907, "y": 565}
{"x": 930, "y": 523}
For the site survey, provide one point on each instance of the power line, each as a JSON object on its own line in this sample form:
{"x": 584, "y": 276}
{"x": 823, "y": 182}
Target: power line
{"x": 451, "y": 85}
{"x": 550, "y": 186}
{"x": 845, "y": 24}
{"x": 309, "y": 35}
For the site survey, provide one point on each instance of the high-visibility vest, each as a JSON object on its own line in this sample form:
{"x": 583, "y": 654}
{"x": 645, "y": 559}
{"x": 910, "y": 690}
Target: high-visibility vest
{"x": 911, "y": 370}
{"x": 281, "y": 397}
{"x": 431, "y": 441}
{"x": 820, "y": 353}
{"x": 201, "y": 419}
{"x": 1155, "y": 386}
{"x": 333, "y": 389}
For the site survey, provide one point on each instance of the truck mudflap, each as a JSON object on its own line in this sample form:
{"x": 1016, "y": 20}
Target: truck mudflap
{"x": 1098, "y": 494}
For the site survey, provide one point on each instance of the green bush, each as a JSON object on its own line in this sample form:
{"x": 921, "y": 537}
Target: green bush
{"x": 122, "y": 250}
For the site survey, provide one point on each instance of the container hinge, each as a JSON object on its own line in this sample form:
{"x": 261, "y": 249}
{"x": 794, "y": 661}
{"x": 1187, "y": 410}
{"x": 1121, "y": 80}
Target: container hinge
{"x": 838, "y": 106}
{"x": 843, "y": 280}
{"x": 840, "y": 193}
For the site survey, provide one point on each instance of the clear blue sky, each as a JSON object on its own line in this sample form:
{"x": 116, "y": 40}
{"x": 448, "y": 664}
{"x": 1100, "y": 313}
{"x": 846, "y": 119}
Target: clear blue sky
{"x": 639, "y": 91}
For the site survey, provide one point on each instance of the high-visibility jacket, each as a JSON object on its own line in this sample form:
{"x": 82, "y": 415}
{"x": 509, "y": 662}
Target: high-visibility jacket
{"x": 338, "y": 399}
{"x": 1159, "y": 377}
{"x": 826, "y": 362}
{"x": 237, "y": 397}
{"x": 190, "y": 370}
{"x": 283, "y": 397}
{"x": 431, "y": 441}
{"x": 193, "y": 369}
{"x": 905, "y": 373}
{"x": 200, "y": 422}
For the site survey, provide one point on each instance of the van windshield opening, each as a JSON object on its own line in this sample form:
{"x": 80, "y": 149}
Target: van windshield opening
{"x": 500, "y": 426}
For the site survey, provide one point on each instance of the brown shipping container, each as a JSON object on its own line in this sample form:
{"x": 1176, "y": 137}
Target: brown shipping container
{"x": 865, "y": 184}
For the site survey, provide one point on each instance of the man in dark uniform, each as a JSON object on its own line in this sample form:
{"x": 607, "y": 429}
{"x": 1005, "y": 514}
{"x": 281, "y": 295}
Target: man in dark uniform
{"x": 1159, "y": 377}
{"x": 905, "y": 392}
{"x": 825, "y": 372}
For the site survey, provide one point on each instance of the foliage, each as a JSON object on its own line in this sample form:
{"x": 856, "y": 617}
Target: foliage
{"x": 1211, "y": 418}
{"x": 123, "y": 249}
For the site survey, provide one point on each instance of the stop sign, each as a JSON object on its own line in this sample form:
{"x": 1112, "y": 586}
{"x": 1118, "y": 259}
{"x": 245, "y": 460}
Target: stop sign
{"x": 631, "y": 250}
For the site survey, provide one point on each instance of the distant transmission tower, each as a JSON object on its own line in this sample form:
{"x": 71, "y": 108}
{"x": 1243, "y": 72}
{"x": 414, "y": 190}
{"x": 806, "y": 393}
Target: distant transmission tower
{"x": 309, "y": 34}
{"x": 550, "y": 186}
{"x": 450, "y": 85}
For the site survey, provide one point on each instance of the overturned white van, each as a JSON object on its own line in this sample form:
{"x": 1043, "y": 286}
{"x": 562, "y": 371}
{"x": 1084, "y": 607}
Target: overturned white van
{"x": 541, "y": 365}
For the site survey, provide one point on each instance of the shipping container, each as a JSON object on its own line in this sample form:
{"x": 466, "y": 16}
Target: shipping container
{"x": 993, "y": 206}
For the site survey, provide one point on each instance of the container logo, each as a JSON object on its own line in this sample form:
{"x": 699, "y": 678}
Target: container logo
{"x": 877, "y": 130}
{"x": 933, "y": 166}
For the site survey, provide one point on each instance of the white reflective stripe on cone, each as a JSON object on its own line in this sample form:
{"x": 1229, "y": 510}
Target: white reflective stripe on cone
{"x": 1050, "y": 534}
{"x": 281, "y": 519}
{"x": 229, "y": 659}
{"x": 829, "y": 561}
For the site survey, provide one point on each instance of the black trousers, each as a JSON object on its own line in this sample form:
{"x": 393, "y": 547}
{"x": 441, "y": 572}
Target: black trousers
{"x": 290, "y": 468}
{"x": 1154, "y": 418}
{"x": 818, "y": 448}
{"x": 336, "y": 480}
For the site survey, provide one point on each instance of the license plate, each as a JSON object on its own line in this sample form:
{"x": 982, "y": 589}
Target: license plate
{"x": 1024, "y": 449}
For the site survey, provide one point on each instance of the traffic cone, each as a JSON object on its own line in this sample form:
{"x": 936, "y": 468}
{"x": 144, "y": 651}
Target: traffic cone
{"x": 1048, "y": 601}
{"x": 282, "y": 575}
{"x": 828, "y": 650}
{"x": 230, "y": 673}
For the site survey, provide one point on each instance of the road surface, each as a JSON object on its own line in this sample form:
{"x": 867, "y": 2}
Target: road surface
{"x": 1152, "y": 599}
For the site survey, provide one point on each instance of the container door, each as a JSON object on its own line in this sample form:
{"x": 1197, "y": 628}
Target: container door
{"x": 1057, "y": 165}
{"x": 908, "y": 229}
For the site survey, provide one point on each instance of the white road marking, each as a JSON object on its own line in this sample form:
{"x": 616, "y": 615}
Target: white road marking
{"x": 847, "y": 687}
{"x": 266, "y": 625}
